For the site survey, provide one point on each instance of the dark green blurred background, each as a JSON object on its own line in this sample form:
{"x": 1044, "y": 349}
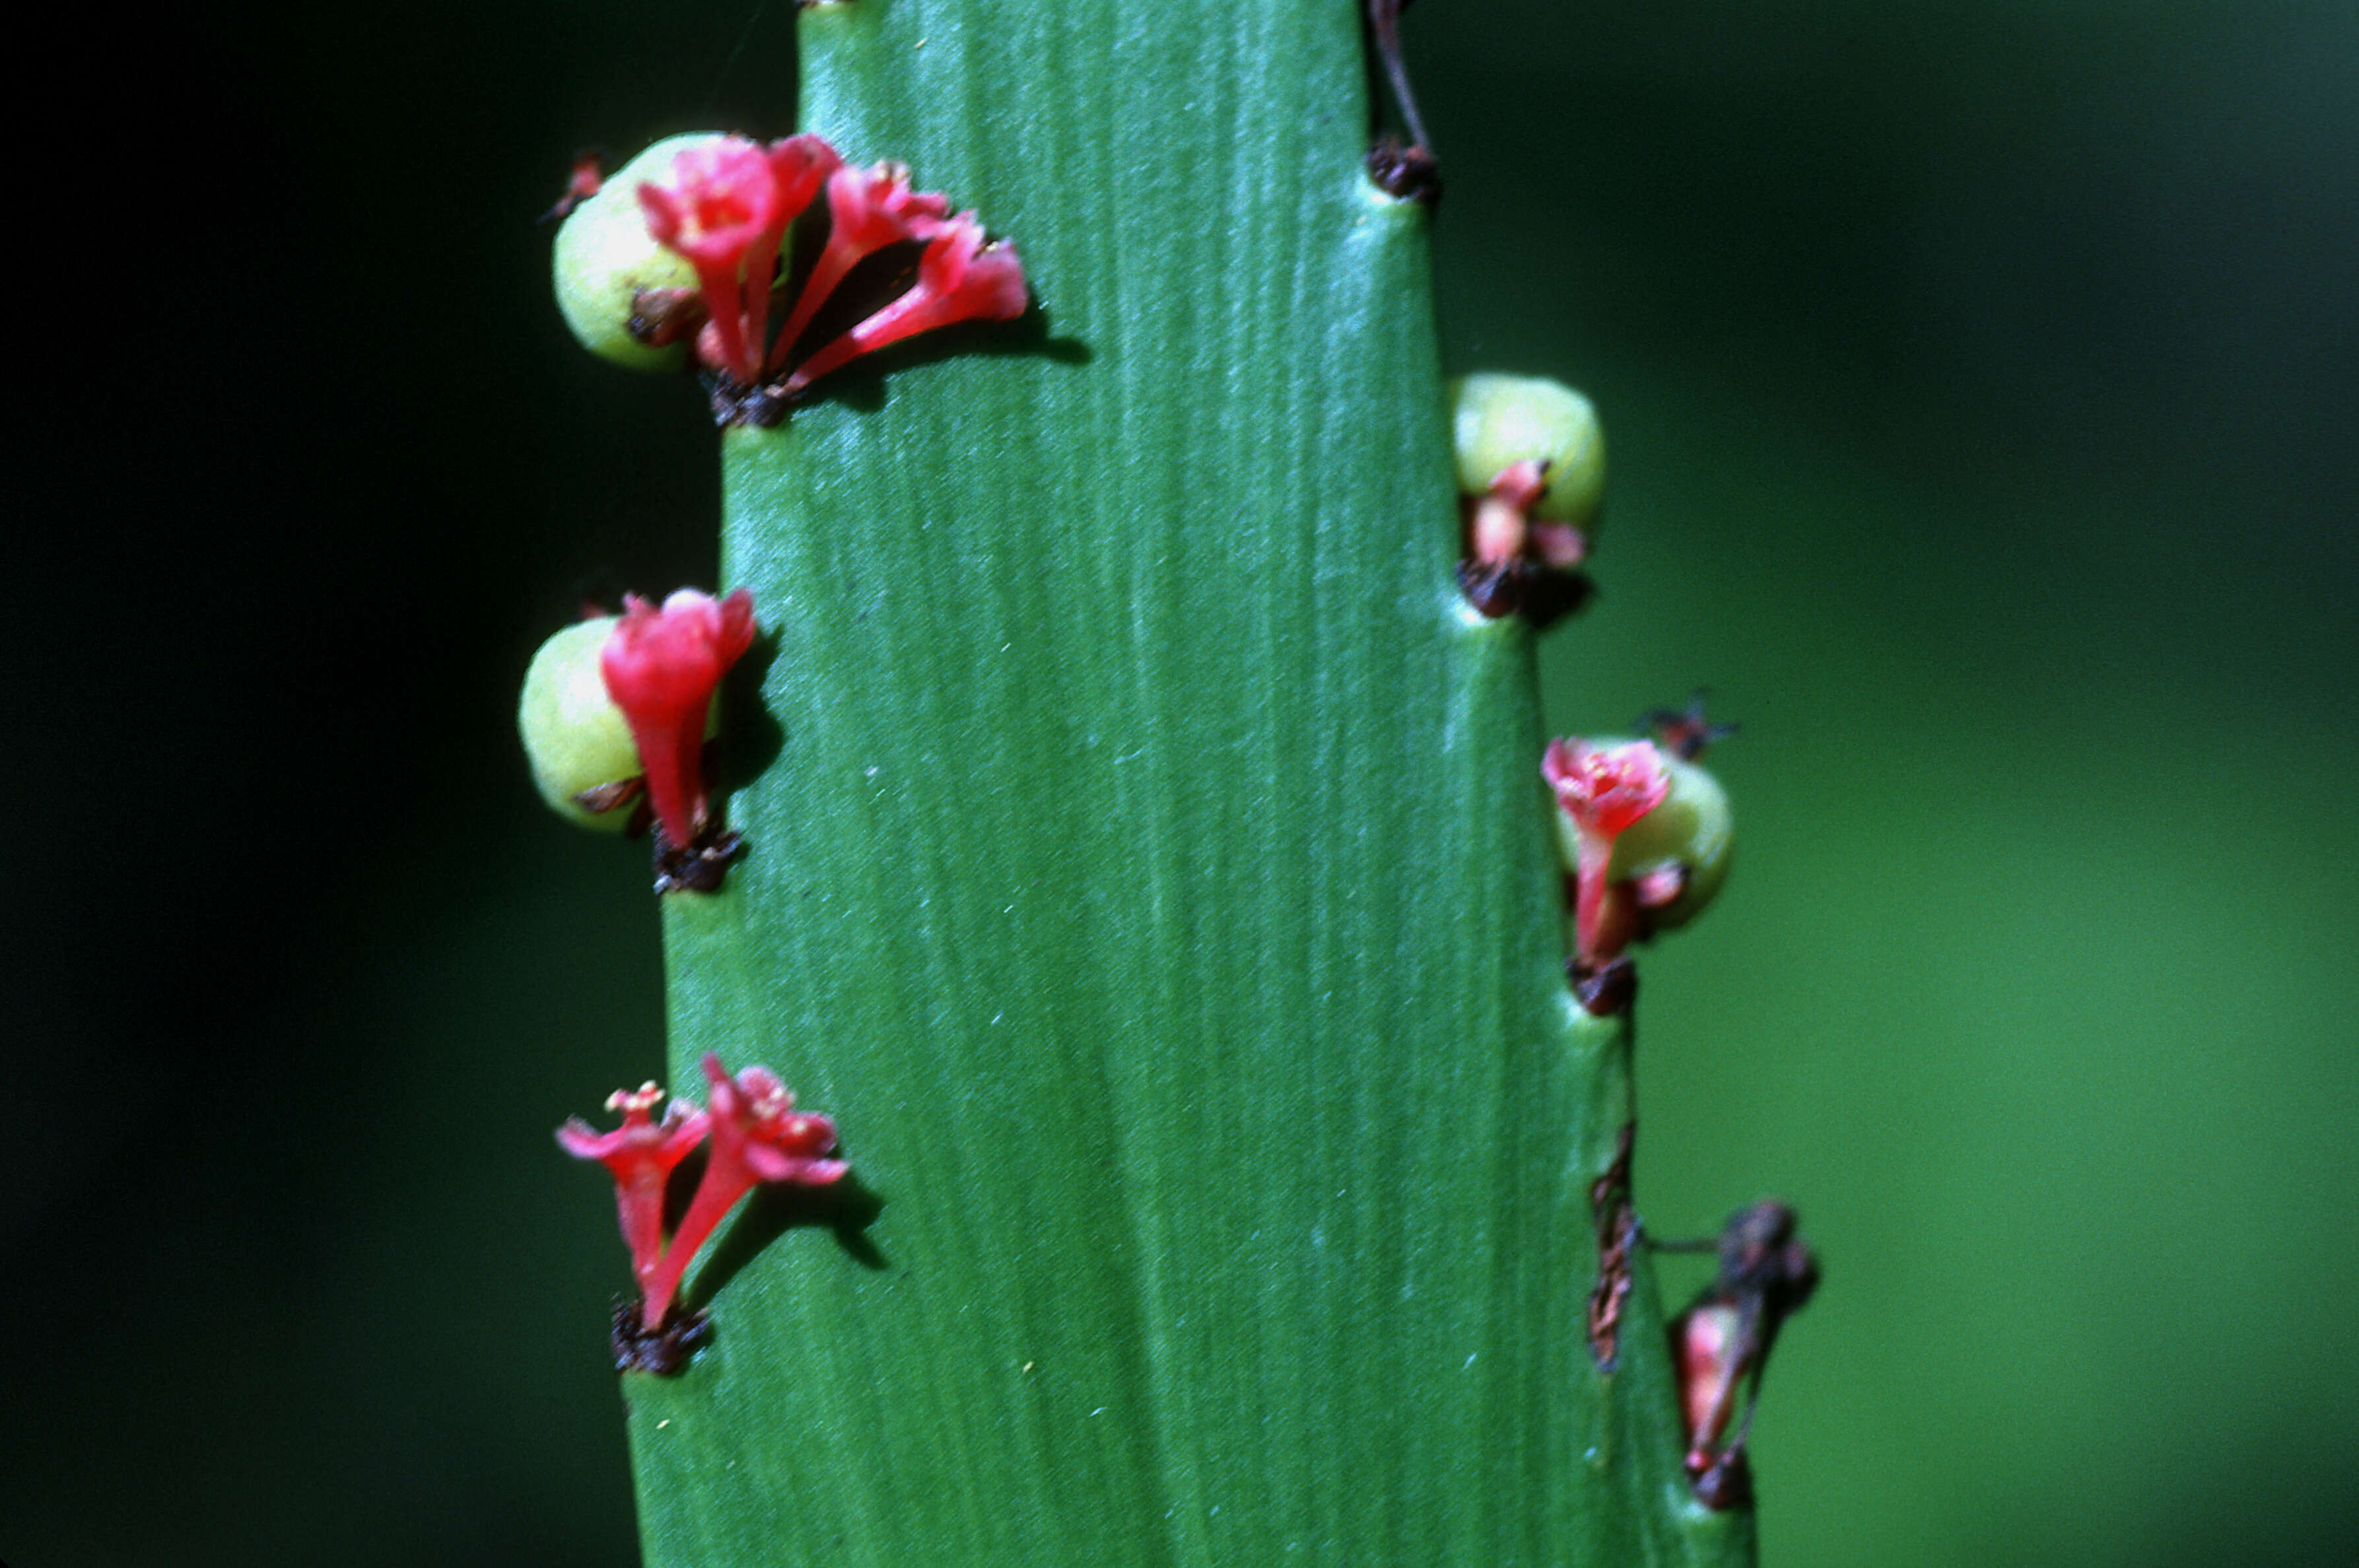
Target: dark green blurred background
{"x": 1979, "y": 375}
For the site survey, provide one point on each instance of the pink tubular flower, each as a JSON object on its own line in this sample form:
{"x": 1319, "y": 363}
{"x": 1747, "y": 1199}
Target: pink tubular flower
{"x": 1708, "y": 1353}
{"x": 757, "y": 1135}
{"x": 725, "y": 212}
{"x": 641, "y": 1155}
{"x": 868, "y": 209}
{"x": 960, "y": 278}
{"x": 1603, "y": 790}
{"x": 660, "y": 668}
{"x": 756, "y": 1126}
{"x": 726, "y": 209}
{"x": 721, "y": 213}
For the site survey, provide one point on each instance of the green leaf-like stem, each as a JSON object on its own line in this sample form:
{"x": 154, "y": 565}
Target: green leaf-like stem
{"x": 1151, "y": 873}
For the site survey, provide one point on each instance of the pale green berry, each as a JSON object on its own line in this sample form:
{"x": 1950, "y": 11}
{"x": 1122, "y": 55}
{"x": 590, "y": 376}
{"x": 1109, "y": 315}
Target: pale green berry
{"x": 1692, "y": 830}
{"x": 573, "y": 735}
{"x": 1501, "y": 420}
{"x": 604, "y": 255}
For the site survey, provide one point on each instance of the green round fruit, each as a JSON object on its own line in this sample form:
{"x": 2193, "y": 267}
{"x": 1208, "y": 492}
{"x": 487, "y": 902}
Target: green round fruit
{"x": 1694, "y": 828}
{"x": 573, "y": 735}
{"x": 604, "y": 255}
{"x": 1501, "y": 420}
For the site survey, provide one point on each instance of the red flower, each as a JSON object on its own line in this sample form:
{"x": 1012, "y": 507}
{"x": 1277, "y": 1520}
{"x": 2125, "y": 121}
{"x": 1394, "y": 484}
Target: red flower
{"x": 868, "y": 209}
{"x": 725, "y": 212}
{"x": 756, "y": 1126}
{"x": 641, "y": 1155}
{"x": 1722, "y": 1341}
{"x": 1710, "y": 1355}
{"x": 1603, "y": 790}
{"x": 757, "y": 1135}
{"x": 1499, "y": 524}
{"x": 660, "y": 668}
{"x": 960, "y": 278}
{"x": 586, "y": 179}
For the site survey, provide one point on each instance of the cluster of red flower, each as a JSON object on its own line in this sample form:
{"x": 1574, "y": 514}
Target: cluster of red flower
{"x": 757, "y": 1135}
{"x": 726, "y": 211}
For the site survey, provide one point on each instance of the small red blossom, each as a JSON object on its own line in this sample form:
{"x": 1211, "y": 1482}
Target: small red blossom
{"x": 1607, "y": 788}
{"x": 1659, "y": 887}
{"x": 662, "y": 667}
{"x": 1498, "y": 523}
{"x": 587, "y": 178}
{"x": 1603, "y": 790}
{"x": 1721, "y": 1344}
{"x": 1709, "y": 1355}
{"x": 1561, "y": 547}
{"x": 868, "y": 209}
{"x": 961, "y": 278}
{"x": 1517, "y": 560}
{"x": 755, "y": 1125}
{"x": 757, "y": 1136}
{"x": 725, "y": 212}
{"x": 641, "y": 1155}
{"x": 720, "y": 204}
{"x": 727, "y": 209}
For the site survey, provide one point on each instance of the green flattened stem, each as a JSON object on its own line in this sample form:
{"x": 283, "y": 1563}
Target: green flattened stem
{"x": 1150, "y": 873}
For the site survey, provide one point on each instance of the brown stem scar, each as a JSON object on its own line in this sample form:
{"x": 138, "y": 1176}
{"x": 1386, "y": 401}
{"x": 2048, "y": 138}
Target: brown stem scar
{"x": 1604, "y": 993}
{"x": 1727, "y": 1484}
{"x": 698, "y": 867}
{"x": 1494, "y": 588}
{"x": 661, "y": 316}
{"x": 1617, "y": 1243}
{"x": 600, "y": 798}
{"x": 664, "y": 1350}
{"x": 1405, "y": 171}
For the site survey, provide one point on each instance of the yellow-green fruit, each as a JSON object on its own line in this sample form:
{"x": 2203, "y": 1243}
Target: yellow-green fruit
{"x": 573, "y": 735}
{"x": 604, "y": 255}
{"x": 1501, "y": 420}
{"x": 1692, "y": 829}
